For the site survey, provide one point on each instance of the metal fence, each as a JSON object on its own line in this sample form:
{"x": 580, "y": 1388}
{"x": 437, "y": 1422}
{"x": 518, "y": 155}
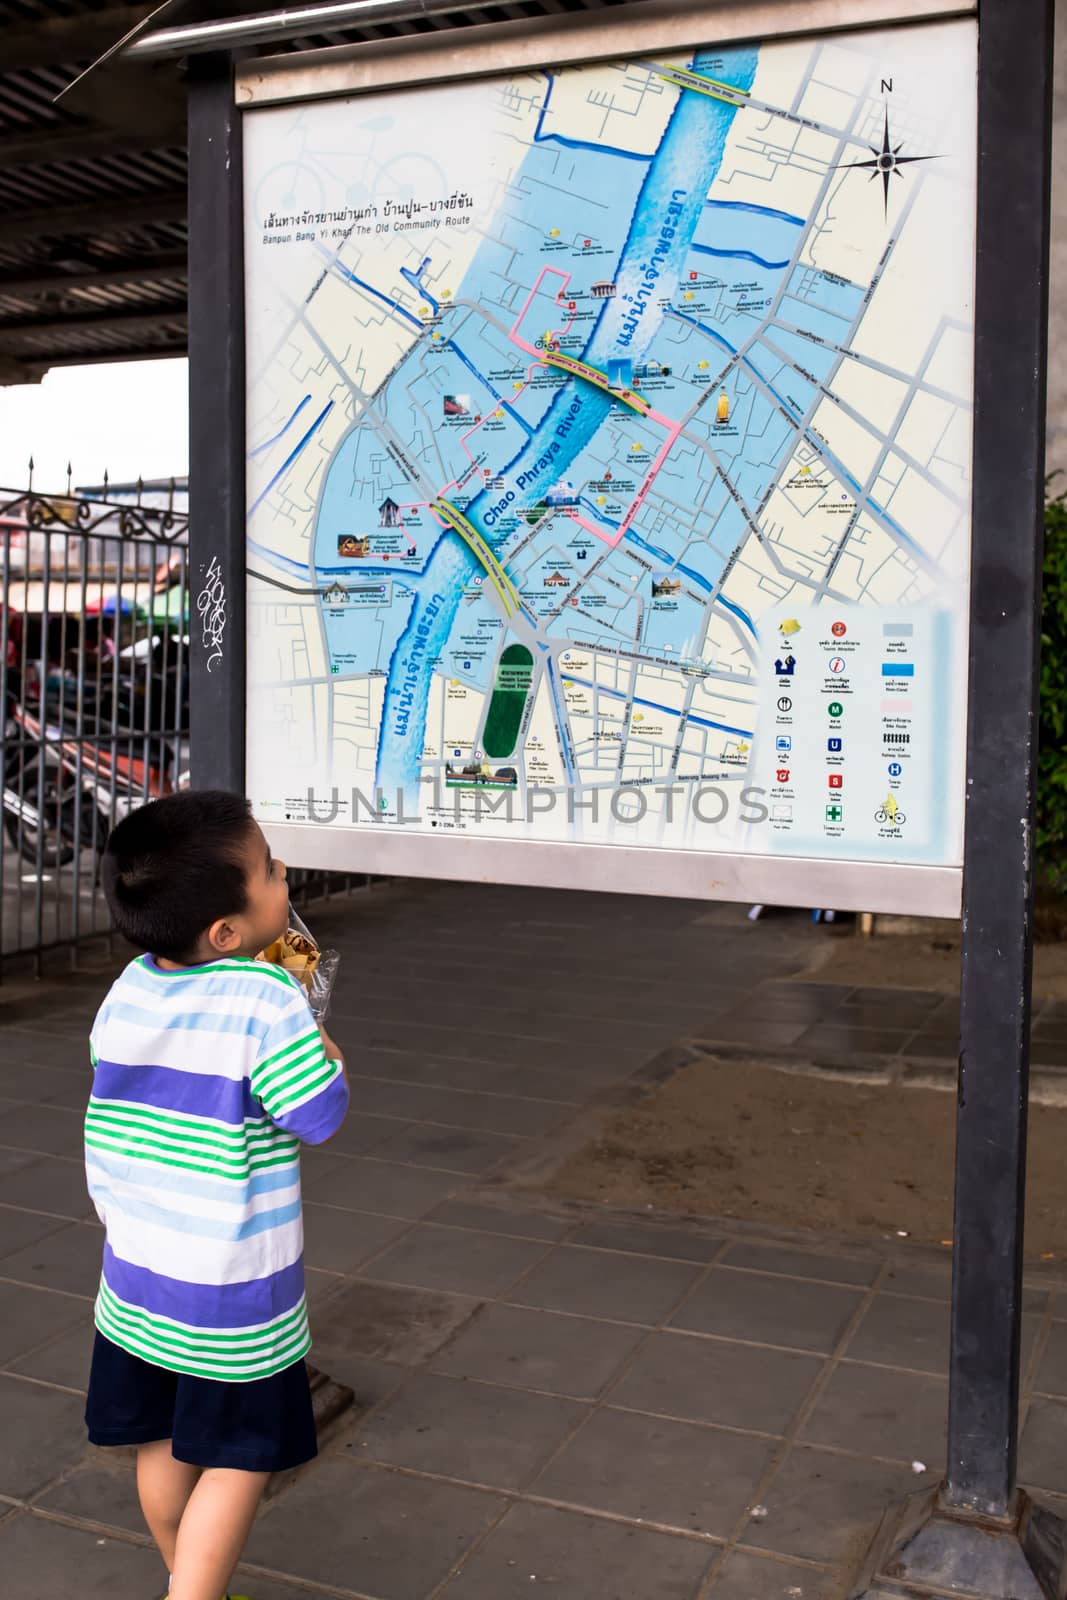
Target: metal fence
{"x": 94, "y": 644}
{"x": 94, "y": 641}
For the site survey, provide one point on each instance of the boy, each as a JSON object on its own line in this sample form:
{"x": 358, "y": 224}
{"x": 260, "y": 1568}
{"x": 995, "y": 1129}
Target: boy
{"x": 209, "y": 1069}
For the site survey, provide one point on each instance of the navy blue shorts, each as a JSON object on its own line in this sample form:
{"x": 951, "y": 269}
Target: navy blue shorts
{"x": 265, "y": 1425}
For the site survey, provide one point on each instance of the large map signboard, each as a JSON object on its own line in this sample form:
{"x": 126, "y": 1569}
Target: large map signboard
{"x": 609, "y": 438}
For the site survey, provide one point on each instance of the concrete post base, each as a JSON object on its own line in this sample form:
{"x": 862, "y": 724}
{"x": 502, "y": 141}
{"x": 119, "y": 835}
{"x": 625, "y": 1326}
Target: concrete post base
{"x": 923, "y": 1548}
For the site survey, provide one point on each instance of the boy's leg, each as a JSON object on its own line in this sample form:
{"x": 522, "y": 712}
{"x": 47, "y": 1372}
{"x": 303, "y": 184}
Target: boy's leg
{"x": 213, "y": 1531}
{"x": 163, "y": 1487}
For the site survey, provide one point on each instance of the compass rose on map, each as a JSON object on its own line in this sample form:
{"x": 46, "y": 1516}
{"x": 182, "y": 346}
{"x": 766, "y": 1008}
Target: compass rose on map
{"x": 887, "y": 161}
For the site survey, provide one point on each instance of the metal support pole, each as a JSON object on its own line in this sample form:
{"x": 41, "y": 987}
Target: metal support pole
{"x": 979, "y": 1536}
{"x": 216, "y": 430}
{"x": 1015, "y": 75}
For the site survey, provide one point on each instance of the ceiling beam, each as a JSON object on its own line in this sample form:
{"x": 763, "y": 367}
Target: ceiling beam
{"x": 154, "y": 352}
{"x": 15, "y": 371}
{"x": 98, "y": 216}
{"x": 60, "y": 41}
{"x": 80, "y": 144}
{"x": 153, "y": 269}
{"x": 133, "y": 323}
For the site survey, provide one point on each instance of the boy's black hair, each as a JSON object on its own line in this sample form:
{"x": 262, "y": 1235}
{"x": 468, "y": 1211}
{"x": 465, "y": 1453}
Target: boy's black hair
{"x": 175, "y": 866}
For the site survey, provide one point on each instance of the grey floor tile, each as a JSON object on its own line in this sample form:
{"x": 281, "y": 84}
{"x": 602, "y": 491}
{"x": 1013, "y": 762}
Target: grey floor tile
{"x": 67, "y": 1026}
{"x": 265, "y": 1588}
{"x": 934, "y": 1042}
{"x": 44, "y": 1085}
{"x": 672, "y": 1244}
{"x": 655, "y": 1470}
{"x": 29, "y": 1317}
{"x": 52, "y": 1130}
{"x": 371, "y": 1381}
{"x": 21, "y": 1228}
{"x": 69, "y": 1259}
{"x": 752, "y": 1577}
{"x": 52, "y": 1185}
{"x": 769, "y": 1310}
{"x": 103, "y": 1491}
{"x": 1051, "y": 1377}
{"x": 714, "y": 1380}
{"x": 841, "y": 1039}
{"x": 900, "y": 1332}
{"x": 30, "y": 1049}
{"x": 74, "y": 1096}
{"x": 538, "y": 1548}
{"x": 498, "y": 1113}
{"x": 914, "y": 1334}
{"x": 501, "y": 1219}
{"x": 411, "y": 1102}
{"x": 834, "y": 1268}
{"x": 1036, "y": 1296}
{"x": 923, "y": 1001}
{"x": 1048, "y": 1052}
{"x": 317, "y": 1161}
{"x": 387, "y": 1321}
{"x": 599, "y": 1283}
{"x": 887, "y": 1013}
{"x": 539, "y": 1082}
{"x": 1043, "y": 1446}
{"x": 899, "y": 1415}
{"x": 461, "y": 1150}
{"x": 762, "y": 1034}
{"x": 932, "y": 1279}
{"x": 383, "y": 1187}
{"x": 538, "y": 1350}
{"x": 432, "y": 1256}
{"x": 12, "y": 1161}
{"x": 43, "y": 1559}
{"x": 360, "y": 1133}
{"x": 319, "y": 1286}
{"x": 777, "y": 1005}
{"x": 374, "y": 1531}
{"x": 44, "y": 1434}
{"x": 456, "y": 1428}
{"x": 821, "y": 1506}
{"x": 337, "y": 1241}
{"x": 64, "y": 1360}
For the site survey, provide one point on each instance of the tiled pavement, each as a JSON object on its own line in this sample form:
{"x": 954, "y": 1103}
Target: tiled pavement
{"x": 835, "y": 1023}
{"x": 609, "y": 1407}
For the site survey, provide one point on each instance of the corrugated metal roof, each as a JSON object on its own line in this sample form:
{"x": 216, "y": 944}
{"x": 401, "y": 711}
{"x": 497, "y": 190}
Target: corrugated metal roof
{"x": 92, "y": 191}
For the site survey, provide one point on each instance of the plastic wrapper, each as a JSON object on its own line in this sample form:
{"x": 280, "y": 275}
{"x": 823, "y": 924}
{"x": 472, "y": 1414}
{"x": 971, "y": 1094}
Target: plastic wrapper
{"x": 298, "y": 952}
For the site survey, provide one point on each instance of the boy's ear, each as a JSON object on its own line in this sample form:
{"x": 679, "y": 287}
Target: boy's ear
{"x": 223, "y": 937}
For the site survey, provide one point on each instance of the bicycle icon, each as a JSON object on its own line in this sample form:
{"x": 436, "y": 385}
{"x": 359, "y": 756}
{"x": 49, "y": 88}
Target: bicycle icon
{"x": 897, "y": 817}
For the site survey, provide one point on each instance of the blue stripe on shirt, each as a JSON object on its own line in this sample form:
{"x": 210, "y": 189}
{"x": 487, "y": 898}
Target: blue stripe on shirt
{"x": 319, "y": 1118}
{"x": 206, "y": 1305}
{"x": 197, "y": 1094}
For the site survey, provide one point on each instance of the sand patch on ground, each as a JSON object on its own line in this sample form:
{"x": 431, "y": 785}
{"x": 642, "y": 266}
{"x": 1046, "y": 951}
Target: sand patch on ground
{"x": 738, "y": 1139}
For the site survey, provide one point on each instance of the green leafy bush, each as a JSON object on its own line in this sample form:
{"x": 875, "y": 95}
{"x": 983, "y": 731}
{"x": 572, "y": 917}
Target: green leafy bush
{"x": 1052, "y": 748}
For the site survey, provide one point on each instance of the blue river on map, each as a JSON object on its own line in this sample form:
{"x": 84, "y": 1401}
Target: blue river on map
{"x": 681, "y": 172}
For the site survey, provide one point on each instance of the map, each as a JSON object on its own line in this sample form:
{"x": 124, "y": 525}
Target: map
{"x": 609, "y": 437}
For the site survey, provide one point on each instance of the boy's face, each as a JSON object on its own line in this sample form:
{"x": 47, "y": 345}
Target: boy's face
{"x": 266, "y": 916}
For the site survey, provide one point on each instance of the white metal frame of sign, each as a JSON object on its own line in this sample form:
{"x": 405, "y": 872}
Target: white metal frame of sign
{"x": 780, "y": 878}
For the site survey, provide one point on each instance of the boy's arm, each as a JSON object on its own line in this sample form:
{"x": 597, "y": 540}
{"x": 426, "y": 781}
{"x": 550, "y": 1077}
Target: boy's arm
{"x": 303, "y": 1090}
{"x": 333, "y": 1051}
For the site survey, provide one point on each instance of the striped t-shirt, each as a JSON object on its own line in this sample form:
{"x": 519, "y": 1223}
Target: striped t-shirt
{"x": 205, "y": 1081}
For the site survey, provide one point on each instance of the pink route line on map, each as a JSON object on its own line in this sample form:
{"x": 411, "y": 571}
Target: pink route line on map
{"x": 644, "y": 409}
